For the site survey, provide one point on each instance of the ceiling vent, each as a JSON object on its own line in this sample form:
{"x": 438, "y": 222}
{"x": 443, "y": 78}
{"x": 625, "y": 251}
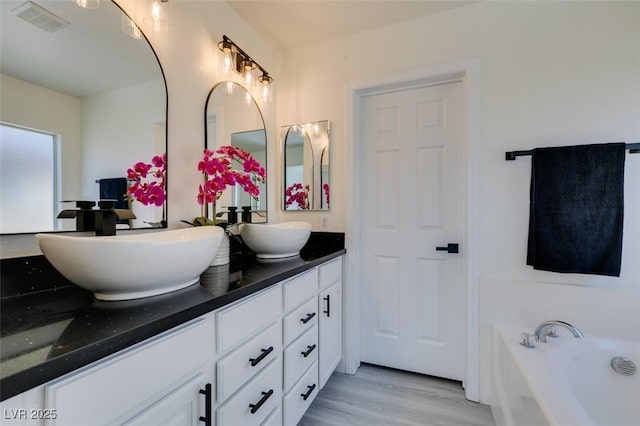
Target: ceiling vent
{"x": 40, "y": 17}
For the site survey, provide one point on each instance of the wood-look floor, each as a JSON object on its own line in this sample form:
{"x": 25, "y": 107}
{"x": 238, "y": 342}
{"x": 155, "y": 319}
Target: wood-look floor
{"x": 387, "y": 397}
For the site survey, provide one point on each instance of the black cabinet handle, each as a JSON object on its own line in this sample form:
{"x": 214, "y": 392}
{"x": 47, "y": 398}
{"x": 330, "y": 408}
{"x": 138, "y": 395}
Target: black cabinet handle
{"x": 328, "y": 299}
{"x": 207, "y": 418}
{"x": 450, "y": 248}
{"x": 265, "y": 396}
{"x": 308, "y": 393}
{"x": 308, "y": 351}
{"x": 308, "y": 318}
{"x": 265, "y": 352}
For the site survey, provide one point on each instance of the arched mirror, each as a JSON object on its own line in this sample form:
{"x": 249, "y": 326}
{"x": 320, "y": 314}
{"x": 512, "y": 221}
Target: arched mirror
{"x": 306, "y": 166}
{"x": 81, "y": 102}
{"x": 233, "y": 118}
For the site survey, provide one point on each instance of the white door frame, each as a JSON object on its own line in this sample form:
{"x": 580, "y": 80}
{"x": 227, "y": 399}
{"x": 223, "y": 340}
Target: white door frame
{"x": 467, "y": 72}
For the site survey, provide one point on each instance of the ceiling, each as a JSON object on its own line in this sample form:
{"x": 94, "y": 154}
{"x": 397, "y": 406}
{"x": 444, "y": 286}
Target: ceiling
{"x": 89, "y": 56}
{"x": 294, "y": 23}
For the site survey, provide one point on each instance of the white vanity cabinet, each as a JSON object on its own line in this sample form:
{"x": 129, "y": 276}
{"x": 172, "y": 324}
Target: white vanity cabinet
{"x": 300, "y": 331}
{"x": 141, "y": 385}
{"x": 258, "y": 361}
{"x": 249, "y": 370}
{"x": 330, "y": 321}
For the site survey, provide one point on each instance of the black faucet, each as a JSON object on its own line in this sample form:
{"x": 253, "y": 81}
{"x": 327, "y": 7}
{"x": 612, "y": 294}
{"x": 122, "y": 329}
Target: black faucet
{"x": 85, "y": 217}
{"x": 102, "y": 220}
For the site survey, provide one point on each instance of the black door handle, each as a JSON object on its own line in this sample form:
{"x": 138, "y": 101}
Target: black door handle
{"x": 208, "y": 417}
{"x": 450, "y": 248}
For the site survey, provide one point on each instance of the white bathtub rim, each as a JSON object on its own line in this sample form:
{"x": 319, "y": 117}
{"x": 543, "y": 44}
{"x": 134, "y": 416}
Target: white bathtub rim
{"x": 560, "y": 407}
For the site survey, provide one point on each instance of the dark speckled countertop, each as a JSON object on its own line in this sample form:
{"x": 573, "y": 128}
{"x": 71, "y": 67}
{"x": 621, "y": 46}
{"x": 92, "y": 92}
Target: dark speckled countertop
{"x": 50, "y": 327}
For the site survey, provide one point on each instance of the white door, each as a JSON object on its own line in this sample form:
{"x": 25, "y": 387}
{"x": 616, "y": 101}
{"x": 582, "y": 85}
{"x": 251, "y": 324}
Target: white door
{"x": 412, "y": 306}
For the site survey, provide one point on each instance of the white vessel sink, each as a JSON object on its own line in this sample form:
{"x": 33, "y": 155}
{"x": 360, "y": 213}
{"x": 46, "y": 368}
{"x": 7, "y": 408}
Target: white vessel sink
{"x": 275, "y": 241}
{"x": 123, "y": 267}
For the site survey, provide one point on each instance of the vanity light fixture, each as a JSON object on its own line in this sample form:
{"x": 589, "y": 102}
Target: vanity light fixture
{"x": 88, "y": 4}
{"x": 238, "y": 60}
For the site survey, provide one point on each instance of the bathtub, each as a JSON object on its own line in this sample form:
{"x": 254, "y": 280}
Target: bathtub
{"x": 564, "y": 382}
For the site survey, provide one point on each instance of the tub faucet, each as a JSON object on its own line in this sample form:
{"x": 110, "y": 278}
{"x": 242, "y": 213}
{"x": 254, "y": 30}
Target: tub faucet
{"x": 546, "y": 329}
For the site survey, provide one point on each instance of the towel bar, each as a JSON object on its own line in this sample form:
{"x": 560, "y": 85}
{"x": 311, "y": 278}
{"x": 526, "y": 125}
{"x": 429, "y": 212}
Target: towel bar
{"x": 634, "y": 148}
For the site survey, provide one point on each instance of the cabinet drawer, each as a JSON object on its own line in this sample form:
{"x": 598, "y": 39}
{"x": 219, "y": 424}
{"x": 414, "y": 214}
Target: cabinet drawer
{"x": 261, "y": 395}
{"x": 274, "y": 419}
{"x": 299, "y": 356}
{"x": 250, "y": 358}
{"x": 238, "y": 322}
{"x": 300, "y": 320}
{"x": 295, "y": 403}
{"x": 106, "y": 392}
{"x": 330, "y": 272}
{"x": 299, "y": 289}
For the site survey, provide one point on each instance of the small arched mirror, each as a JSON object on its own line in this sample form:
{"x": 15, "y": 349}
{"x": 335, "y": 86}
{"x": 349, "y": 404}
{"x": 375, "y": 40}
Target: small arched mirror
{"x": 233, "y": 118}
{"x": 306, "y": 166}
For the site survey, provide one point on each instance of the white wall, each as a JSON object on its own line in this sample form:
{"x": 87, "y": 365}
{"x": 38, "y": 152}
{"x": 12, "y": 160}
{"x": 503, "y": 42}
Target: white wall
{"x": 39, "y": 108}
{"x": 551, "y": 73}
{"x": 118, "y": 130}
{"x": 192, "y": 65}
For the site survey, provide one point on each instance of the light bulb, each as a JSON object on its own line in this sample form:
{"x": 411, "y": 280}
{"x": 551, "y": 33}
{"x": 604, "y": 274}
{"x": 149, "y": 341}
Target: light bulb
{"x": 130, "y": 28}
{"x": 248, "y": 79}
{"x": 155, "y": 11}
{"x": 157, "y": 21}
{"x": 228, "y": 63}
{"x": 265, "y": 93}
{"x": 88, "y": 4}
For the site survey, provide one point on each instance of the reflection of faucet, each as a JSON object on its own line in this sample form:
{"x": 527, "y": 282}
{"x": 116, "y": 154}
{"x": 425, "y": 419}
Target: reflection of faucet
{"x": 103, "y": 220}
{"x": 546, "y": 329}
{"x": 246, "y": 214}
{"x": 232, "y": 215}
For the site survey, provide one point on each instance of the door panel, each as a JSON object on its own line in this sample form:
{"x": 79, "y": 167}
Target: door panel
{"x": 412, "y": 314}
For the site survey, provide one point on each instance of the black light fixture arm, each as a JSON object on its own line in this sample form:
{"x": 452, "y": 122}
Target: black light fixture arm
{"x": 244, "y": 55}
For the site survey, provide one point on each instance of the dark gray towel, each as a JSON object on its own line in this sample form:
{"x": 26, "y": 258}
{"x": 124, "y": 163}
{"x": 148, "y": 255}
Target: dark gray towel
{"x": 577, "y": 209}
{"x": 115, "y": 189}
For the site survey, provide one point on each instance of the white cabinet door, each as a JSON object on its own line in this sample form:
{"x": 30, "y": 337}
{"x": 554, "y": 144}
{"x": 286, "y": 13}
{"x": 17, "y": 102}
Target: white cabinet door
{"x": 185, "y": 406}
{"x": 330, "y": 334}
{"x": 121, "y": 387}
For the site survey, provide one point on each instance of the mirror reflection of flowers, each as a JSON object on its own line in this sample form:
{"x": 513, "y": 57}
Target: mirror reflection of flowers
{"x": 217, "y": 166}
{"x": 296, "y": 193}
{"x": 143, "y": 187}
{"x": 325, "y": 188}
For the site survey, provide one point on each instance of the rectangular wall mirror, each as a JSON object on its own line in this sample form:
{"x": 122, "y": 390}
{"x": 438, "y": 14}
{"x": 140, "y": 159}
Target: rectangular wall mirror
{"x": 306, "y": 166}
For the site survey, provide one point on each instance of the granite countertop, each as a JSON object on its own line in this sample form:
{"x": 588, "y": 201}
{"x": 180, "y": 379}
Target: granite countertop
{"x": 50, "y": 327}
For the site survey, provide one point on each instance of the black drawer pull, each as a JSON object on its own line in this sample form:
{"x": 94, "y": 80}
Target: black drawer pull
{"x": 265, "y": 396}
{"x": 308, "y": 351}
{"x": 328, "y": 299}
{"x": 265, "y": 352}
{"x": 308, "y": 394}
{"x": 308, "y": 318}
{"x": 207, "y": 418}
